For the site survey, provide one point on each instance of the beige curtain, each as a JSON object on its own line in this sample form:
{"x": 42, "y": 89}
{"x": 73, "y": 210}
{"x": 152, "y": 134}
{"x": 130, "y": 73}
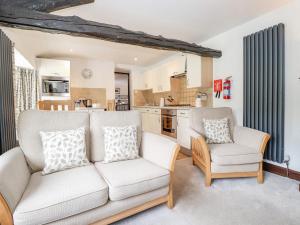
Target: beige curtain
{"x": 26, "y": 89}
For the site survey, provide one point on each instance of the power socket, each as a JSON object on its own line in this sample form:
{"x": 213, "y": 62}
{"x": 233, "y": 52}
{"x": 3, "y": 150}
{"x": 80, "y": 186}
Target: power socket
{"x": 286, "y": 160}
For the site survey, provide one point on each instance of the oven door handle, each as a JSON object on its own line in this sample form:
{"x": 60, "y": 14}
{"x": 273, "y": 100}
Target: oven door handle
{"x": 166, "y": 116}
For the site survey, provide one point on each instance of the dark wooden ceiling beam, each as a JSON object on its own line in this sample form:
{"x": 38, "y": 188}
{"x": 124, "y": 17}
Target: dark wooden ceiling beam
{"x": 46, "y": 5}
{"x": 27, "y": 18}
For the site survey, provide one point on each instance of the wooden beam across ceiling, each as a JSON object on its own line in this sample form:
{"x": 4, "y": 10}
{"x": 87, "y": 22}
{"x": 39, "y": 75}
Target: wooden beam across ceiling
{"x": 34, "y": 15}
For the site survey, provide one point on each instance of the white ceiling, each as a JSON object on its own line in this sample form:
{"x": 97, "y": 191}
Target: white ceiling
{"x": 188, "y": 20}
{"x": 38, "y": 44}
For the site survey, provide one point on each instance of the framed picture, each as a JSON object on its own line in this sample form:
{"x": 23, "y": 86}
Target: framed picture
{"x": 117, "y": 91}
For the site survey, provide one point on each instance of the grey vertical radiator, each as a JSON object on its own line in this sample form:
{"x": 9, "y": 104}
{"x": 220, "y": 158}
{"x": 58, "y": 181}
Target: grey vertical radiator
{"x": 7, "y": 108}
{"x": 264, "y": 75}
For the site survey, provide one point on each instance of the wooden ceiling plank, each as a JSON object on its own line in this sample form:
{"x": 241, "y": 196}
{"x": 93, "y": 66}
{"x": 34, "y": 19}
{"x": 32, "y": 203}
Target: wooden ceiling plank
{"x": 29, "y": 19}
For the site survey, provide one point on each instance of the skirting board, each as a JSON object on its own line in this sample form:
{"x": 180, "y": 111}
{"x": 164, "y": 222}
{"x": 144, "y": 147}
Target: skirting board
{"x": 295, "y": 175}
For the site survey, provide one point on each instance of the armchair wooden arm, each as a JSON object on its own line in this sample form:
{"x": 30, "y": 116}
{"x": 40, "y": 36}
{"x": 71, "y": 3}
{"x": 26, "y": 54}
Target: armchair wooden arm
{"x": 5, "y": 213}
{"x": 201, "y": 157}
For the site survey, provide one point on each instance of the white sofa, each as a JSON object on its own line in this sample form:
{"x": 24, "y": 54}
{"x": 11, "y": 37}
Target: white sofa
{"x": 95, "y": 194}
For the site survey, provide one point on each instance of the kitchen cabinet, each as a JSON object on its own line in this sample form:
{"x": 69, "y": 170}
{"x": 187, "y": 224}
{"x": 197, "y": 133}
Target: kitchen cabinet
{"x": 158, "y": 76}
{"x": 151, "y": 121}
{"x": 176, "y": 65}
{"x": 53, "y": 67}
{"x": 157, "y": 79}
{"x": 183, "y": 128}
{"x": 199, "y": 71}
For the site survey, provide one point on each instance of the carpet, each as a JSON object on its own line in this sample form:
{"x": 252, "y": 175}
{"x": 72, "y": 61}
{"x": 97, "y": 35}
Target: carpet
{"x": 227, "y": 202}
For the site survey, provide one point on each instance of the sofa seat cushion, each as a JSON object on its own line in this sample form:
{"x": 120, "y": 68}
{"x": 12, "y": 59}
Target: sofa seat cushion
{"x": 59, "y": 195}
{"x": 132, "y": 177}
{"x": 233, "y": 154}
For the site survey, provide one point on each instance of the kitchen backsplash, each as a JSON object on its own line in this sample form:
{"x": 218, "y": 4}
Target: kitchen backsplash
{"x": 98, "y": 95}
{"x": 179, "y": 91}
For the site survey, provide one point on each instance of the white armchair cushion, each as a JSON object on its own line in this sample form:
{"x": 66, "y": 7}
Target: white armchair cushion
{"x": 64, "y": 149}
{"x": 234, "y": 154}
{"x": 60, "y": 195}
{"x": 132, "y": 177}
{"x": 217, "y": 131}
{"x": 120, "y": 143}
{"x": 248, "y": 137}
{"x": 252, "y": 167}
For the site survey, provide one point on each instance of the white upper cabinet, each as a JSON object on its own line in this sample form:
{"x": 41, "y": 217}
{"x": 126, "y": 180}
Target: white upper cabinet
{"x": 199, "y": 71}
{"x": 156, "y": 79}
{"x": 176, "y": 65}
{"x": 53, "y": 67}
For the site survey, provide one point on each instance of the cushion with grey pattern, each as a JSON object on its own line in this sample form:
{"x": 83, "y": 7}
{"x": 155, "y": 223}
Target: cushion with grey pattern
{"x": 120, "y": 143}
{"x": 217, "y": 131}
{"x": 63, "y": 150}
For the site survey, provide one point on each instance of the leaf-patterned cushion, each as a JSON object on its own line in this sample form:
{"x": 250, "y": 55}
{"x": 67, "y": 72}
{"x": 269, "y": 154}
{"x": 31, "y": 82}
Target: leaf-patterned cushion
{"x": 217, "y": 131}
{"x": 63, "y": 150}
{"x": 120, "y": 143}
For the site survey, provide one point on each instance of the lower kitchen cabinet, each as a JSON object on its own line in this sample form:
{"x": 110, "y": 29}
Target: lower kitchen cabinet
{"x": 183, "y": 126}
{"x": 151, "y": 121}
{"x": 155, "y": 123}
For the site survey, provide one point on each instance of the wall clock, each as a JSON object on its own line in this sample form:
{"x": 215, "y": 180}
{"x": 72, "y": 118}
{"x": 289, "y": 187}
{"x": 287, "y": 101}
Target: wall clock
{"x": 87, "y": 73}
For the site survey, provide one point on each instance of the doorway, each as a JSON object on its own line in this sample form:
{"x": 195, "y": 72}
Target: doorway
{"x": 122, "y": 96}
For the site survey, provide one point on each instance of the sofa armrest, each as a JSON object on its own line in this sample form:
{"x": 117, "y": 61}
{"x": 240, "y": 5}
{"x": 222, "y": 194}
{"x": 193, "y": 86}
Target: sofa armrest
{"x": 194, "y": 134}
{"x": 159, "y": 150}
{"x": 200, "y": 151}
{"x": 14, "y": 177}
{"x": 251, "y": 138}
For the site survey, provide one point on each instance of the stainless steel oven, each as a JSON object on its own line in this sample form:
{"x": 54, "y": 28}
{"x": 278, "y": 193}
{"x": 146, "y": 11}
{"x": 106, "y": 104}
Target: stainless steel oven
{"x": 55, "y": 86}
{"x": 169, "y": 122}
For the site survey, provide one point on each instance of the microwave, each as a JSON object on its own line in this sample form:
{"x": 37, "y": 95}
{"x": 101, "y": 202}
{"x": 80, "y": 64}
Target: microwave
{"x": 55, "y": 86}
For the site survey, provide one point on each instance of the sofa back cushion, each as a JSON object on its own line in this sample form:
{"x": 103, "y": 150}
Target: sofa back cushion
{"x": 198, "y": 114}
{"x": 33, "y": 121}
{"x": 101, "y": 119}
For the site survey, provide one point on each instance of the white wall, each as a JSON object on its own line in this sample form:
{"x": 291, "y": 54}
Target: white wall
{"x": 21, "y": 61}
{"x": 231, "y": 63}
{"x": 24, "y": 49}
{"x": 103, "y": 75}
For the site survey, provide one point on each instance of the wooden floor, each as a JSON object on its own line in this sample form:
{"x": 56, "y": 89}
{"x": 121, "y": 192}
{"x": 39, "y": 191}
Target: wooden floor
{"x": 182, "y": 156}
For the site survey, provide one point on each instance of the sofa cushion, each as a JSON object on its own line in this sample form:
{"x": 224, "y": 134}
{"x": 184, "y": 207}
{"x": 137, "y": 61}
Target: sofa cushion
{"x": 33, "y": 121}
{"x": 231, "y": 154}
{"x": 59, "y": 195}
{"x": 120, "y": 143}
{"x": 217, "y": 131}
{"x": 105, "y": 119}
{"x": 132, "y": 177}
{"x": 64, "y": 150}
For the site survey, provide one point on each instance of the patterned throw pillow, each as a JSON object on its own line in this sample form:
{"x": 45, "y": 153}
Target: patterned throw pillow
{"x": 63, "y": 150}
{"x": 120, "y": 143}
{"x": 217, "y": 131}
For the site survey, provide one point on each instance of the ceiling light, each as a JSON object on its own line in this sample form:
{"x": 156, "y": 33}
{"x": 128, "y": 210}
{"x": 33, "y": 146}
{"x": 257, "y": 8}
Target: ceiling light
{"x": 71, "y": 50}
{"x": 135, "y": 59}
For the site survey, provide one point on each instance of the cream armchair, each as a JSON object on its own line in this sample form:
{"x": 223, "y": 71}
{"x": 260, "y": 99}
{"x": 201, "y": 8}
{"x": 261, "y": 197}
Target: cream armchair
{"x": 242, "y": 158}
